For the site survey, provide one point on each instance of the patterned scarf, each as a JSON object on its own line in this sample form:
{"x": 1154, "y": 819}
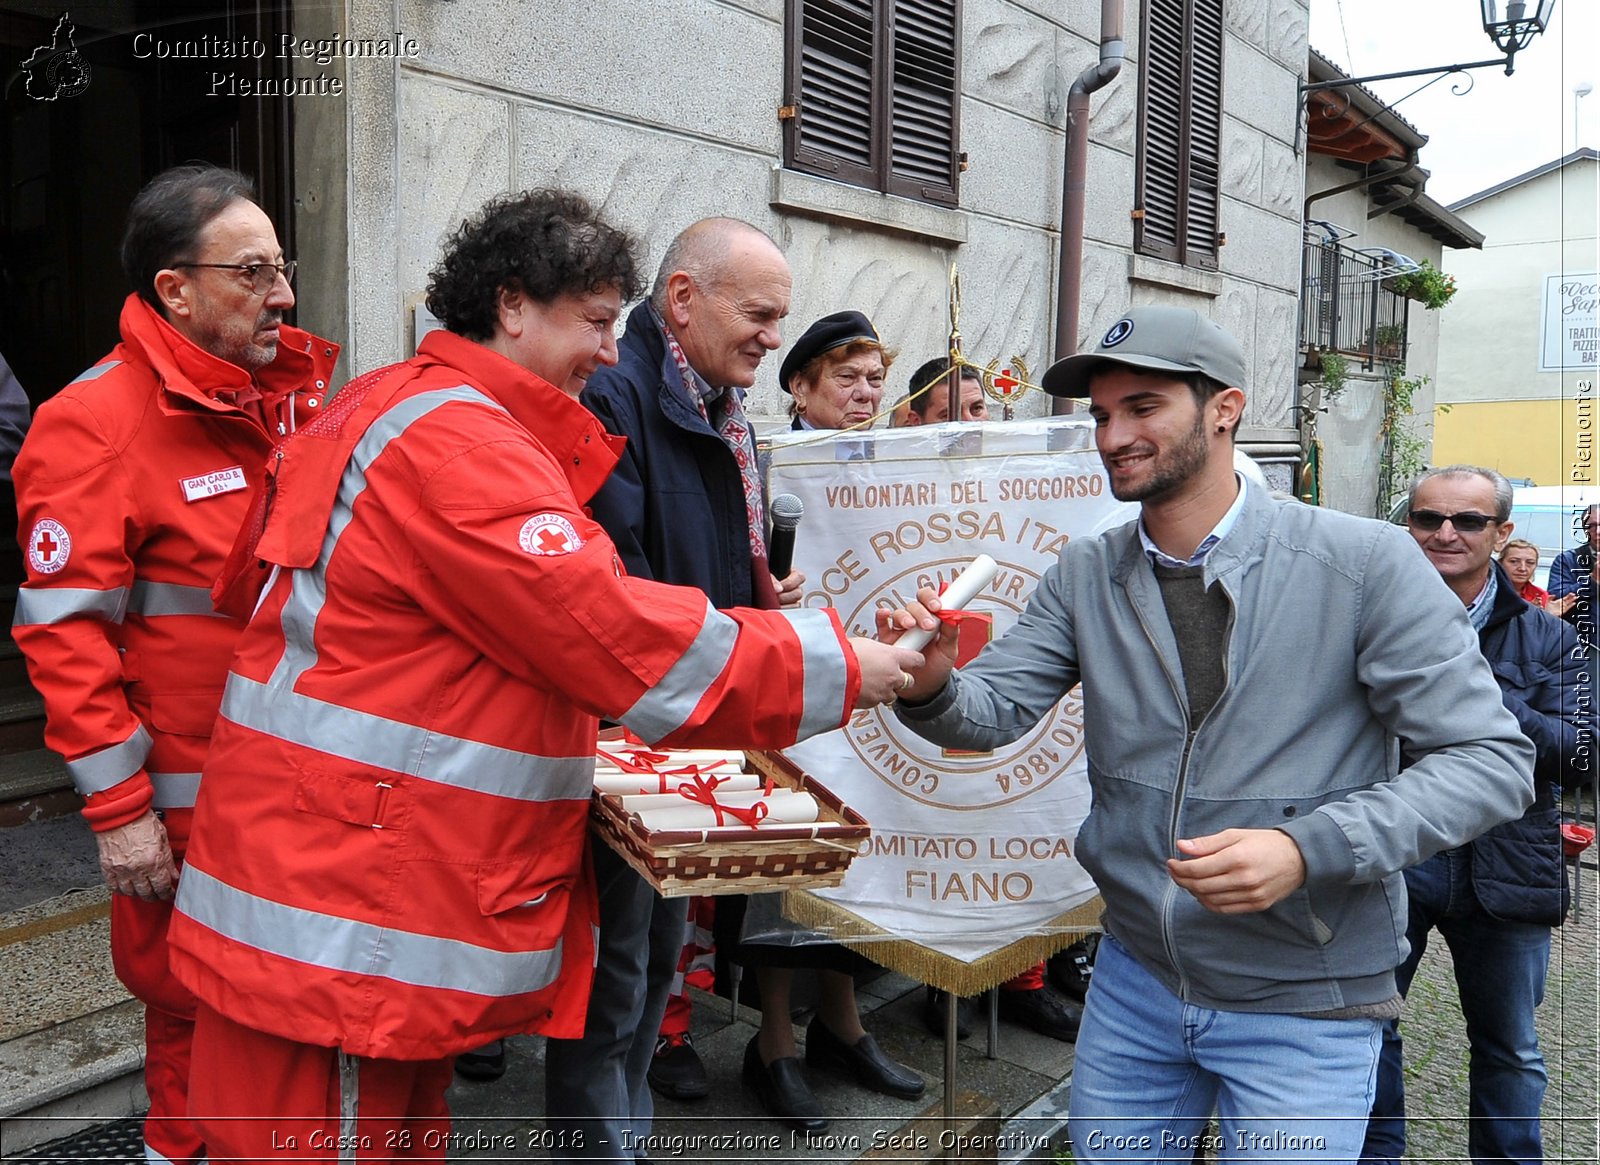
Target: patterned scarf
{"x": 732, "y": 427}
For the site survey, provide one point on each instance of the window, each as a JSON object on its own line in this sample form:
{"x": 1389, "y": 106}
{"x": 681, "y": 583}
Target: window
{"x": 873, "y": 94}
{"x": 1180, "y": 132}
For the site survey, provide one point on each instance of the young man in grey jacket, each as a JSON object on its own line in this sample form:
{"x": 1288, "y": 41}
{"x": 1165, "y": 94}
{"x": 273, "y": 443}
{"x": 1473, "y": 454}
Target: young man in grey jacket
{"x": 1247, "y": 665}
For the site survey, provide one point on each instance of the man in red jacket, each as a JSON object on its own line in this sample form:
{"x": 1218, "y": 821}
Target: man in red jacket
{"x": 130, "y": 489}
{"x": 389, "y": 865}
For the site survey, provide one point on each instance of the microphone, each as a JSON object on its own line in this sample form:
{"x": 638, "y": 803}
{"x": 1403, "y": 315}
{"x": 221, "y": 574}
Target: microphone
{"x": 787, "y": 510}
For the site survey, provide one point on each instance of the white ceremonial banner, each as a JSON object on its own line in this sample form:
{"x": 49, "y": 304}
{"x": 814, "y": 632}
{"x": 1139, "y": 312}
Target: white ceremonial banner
{"x": 970, "y": 852}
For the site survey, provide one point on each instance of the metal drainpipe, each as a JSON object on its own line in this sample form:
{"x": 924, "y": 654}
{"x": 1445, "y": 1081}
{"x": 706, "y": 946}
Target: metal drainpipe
{"x": 1069, "y": 282}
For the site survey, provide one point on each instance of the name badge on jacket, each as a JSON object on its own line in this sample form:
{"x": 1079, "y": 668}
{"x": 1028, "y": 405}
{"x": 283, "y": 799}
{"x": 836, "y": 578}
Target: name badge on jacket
{"x": 209, "y": 485}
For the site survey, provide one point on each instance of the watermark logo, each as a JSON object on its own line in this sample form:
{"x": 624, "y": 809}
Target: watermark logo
{"x": 57, "y": 69}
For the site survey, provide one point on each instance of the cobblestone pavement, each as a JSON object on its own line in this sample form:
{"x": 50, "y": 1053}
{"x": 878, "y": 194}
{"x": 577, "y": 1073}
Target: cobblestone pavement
{"x": 1569, "y": 1033}
{"x": 1025, "y": 1079}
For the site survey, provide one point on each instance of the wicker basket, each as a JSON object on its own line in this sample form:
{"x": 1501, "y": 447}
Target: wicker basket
{"x": 682, "y": 862}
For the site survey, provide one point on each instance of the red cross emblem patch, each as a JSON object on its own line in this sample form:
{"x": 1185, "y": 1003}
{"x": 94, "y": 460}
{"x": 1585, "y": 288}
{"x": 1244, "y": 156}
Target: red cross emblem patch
{"x": 48, "y": 546}
{"x": 549, "y": 534}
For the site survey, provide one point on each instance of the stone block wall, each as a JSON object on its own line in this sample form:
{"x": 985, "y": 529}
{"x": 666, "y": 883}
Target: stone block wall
{"x": 667, "y": 113}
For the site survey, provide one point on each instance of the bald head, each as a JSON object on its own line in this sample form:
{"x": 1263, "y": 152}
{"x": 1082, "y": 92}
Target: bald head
{"x": 722, "y": 290}
{"x": 705, "y": 251}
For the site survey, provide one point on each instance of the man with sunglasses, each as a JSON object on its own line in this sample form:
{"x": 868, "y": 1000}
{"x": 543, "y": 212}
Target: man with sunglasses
{"x": 1494, "y": 899}
{"x": 131, "y": 488}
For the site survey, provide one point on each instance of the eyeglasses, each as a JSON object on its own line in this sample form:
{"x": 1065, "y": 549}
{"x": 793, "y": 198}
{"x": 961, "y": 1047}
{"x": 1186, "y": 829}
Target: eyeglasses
{"x": 262, "y": 276}
{"x": 1465, "y": 522}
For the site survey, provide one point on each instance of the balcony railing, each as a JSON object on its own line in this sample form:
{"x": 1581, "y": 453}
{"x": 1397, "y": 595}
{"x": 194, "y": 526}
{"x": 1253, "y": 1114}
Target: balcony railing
{"x": 1344, "y": 305}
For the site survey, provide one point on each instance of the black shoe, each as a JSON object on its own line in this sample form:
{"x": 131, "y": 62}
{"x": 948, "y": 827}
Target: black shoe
{"x": 1045, "y": 1010}
{"x": 782, "y": 1090}
{"x": 933, "y": 1013}
{"x": 1071, "y": 969}
{"x": 676, "y": 1070}
{"x": 864, "y": 1061}
{"x": 483, "y": 1064}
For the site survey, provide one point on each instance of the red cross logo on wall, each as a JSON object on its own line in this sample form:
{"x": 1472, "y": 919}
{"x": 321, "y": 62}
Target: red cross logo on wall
{"x": 547, "y": 534}
{"x": 49, "y": 546}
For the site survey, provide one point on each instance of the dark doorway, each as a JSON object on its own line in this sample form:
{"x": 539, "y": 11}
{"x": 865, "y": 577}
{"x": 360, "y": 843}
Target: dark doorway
{"x": 142, "y": 97}
{"x": 88, "y": 120}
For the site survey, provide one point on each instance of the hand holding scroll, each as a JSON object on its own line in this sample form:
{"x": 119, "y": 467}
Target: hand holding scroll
{"x": 922, "y": 613}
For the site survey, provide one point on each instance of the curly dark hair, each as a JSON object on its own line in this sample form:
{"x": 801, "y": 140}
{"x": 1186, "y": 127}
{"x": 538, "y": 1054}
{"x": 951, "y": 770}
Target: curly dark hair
{"x": 545, "y": 243}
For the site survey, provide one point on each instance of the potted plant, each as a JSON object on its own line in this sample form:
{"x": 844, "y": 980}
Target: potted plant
{"x": 1428, "y": 285}
{"x": 1335, "y": 371}
{"x": 1390, "y": 339}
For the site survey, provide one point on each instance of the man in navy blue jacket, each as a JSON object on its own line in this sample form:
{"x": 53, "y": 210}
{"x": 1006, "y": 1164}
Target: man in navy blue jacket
{"x": 684, "y": 506}
{"x": 1495, "y": 899}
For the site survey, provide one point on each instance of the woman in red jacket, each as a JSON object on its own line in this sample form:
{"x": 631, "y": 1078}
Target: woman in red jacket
{"x": 390, "y": 864}
{"x": 1521, "y": 559}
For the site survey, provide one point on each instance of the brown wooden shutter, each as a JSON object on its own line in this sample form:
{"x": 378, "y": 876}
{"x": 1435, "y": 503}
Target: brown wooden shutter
{"x": 874, "y": 87}
{"x": 1203, "y": 207}
{"x": 832, "y": 63}
{"x": 1180, "y": 132}
{"x": 924, "y": 103}
{"x": 1160, "y": 153}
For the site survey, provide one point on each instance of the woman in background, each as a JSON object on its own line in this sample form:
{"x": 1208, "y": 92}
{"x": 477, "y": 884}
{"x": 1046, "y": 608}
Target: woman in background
{"x": 1520, "y": 559}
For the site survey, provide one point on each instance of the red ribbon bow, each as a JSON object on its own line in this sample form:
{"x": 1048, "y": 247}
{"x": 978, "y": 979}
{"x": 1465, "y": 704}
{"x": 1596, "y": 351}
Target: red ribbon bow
{"x": 642, "y": 764}
{"x": 952, "y": 615}
{"x": 702, "y": 793}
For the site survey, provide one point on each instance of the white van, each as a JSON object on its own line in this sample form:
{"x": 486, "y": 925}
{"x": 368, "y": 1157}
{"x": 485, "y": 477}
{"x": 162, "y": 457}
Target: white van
{"x": 1551, "y": 517}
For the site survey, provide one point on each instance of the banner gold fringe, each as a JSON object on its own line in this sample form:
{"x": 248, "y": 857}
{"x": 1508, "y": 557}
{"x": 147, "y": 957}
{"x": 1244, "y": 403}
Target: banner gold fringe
{"x": 932, "y": 967}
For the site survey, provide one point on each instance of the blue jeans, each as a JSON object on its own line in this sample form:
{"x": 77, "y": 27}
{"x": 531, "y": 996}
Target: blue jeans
{"x": 595, "y": 1092}
{"x": 1151, "y": 1069}
{"x": 1500, "y": 973}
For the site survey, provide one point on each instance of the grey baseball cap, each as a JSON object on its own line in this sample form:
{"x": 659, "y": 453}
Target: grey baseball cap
{"x": 1161, "y": 339}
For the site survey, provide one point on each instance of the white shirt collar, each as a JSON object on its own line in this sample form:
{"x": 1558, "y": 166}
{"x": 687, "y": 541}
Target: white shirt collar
{"x": 1159, "y": 557}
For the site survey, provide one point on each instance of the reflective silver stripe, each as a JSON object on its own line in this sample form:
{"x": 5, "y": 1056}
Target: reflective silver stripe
{"x": 175, "y": 790}
{"x": 362, "y": 948}
{"x": 96, "y": 372}
{"x": 665, "y": 707}
{"x": 277, "y": 710}
{"x": 40, "y": 605}
{"x": 98, "y": 771}
{"x": 160, "y": 598}
{"x": 826, "y": 671}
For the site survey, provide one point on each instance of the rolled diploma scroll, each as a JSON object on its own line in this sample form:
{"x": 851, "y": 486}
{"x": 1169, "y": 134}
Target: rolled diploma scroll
{"x": 784, "y": 807}
{"x": 965, "y": 587}
{"x": 630, "y": 784}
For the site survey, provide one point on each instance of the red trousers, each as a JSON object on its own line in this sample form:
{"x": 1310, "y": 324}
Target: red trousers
{"x": 139, "y": 954}
{"x": 260, "y": 1098}
{"x": 696, "y": 966}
